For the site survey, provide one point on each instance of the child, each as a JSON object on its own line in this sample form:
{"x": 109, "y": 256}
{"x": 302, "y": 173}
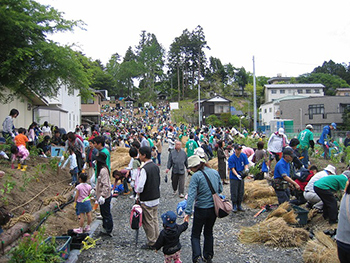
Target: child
{"x": 83, "y": 204}
{"x": 44, "y": 146}
{"x": 154, "y": 154}
{"x": 73, "y": 165}
{"x": 21, "y": 139}
{"x": 135, "y": 172}
{"x": 169, "y": 238}
{"x": 122, "y": 176}
{"x": 21, "y": 153}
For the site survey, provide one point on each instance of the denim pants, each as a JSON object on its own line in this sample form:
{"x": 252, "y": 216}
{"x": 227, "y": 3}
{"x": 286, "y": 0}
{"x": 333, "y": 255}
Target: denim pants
{"x": 107, "y": 220}
{"x": 159, "y": 158}
{"x": 305, "y": 160}
{"x": 203, "y": 217}
{"x": 283, "y": 195}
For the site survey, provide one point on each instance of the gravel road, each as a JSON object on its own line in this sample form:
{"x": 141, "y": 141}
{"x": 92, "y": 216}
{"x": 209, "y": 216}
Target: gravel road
{"x": 227, "y": 248}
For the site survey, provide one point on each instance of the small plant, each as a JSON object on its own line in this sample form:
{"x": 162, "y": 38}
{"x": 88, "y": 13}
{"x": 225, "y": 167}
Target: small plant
{"x": 26, "y": 180}
{"x": 53, "y": 163}
{"x": 35, "y": 249}
{"x": 8, "y": 185}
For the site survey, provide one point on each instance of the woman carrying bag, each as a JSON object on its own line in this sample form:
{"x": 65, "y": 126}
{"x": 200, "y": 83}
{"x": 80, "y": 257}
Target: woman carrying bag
{"x": 204, "y": 210}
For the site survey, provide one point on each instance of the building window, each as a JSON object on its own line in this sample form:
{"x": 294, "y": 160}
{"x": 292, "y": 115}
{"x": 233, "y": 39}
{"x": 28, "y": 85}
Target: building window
{"x": 270, "y": 109}
{"x": 265, "y": 110}
{"x": 317, "y": 91}
{"x": 316, "y": 109}
{"x": 346, "y": 94}
{"x": 300, "y": 91}
{"x": 273, "y": 91}
{"x": 87, "y": 101}
{"x": 308, "y": 91}
{"x": 282, "y": 91}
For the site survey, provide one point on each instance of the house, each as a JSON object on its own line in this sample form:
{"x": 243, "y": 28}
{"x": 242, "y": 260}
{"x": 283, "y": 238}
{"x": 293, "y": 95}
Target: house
{"x": 318, "y": 111}
{"x": 277, "y": 91}
{"x": 279, "y": 79}
{"x": 63, "y": 110}
{"x": 91, "y": 108}
{"x": 342, "y": 92}
{"x": 215, "y": 105}
{"x": 26, "y": 107}
{"x": 129, "y": 102}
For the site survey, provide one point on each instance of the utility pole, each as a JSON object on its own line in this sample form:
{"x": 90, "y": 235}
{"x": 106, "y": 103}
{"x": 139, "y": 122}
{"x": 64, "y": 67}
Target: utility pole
{"x": 199, "y": 90}
{"x": 255, "y": 110}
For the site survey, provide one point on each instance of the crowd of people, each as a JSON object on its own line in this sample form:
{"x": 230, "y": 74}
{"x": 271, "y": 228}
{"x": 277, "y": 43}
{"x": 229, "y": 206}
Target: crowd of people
{"x": 145, "y": 132}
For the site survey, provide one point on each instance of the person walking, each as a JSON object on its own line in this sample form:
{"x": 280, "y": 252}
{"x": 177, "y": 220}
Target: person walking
{"x": 191, "y": 145}
{"x": 325, "y": 137}
{"x": 306, "y": 139}
{"x": 204, "y": 216}
{"x": 222, "y": 161}
{"x": 177, "y": 161}
{"x": 148, "y": 194}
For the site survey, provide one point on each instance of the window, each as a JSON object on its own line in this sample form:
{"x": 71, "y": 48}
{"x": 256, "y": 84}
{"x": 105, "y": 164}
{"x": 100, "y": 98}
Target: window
{"x": 317, "y": 91}
{"x": 346, "y": 94}
{"x": 300, "y": 91}
{"x": 316, "y": 109}
{"x": 270, "y": 109}
{"x": 282, "y": 91}
{"x": 265, "y": 110}
{"x": 308, "y": 91}
{"x": 87, "y": 101}
{"x": 273, "y": 91}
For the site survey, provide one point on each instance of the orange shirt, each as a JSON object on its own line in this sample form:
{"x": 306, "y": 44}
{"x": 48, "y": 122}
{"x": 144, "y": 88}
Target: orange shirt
{"x": 21, "y": 139}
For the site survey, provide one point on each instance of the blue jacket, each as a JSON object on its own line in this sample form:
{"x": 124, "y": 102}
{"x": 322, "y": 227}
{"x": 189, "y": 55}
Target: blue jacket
{"x": 326, "y": 135}
{"x": 199, "y": 190}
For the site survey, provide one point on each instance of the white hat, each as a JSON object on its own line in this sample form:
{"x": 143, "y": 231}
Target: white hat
{"x": 330, "y": 168}
{"x": 200, "y": 152}
{"x": 309, "y": 126}
{"x": 281, "y": 130}
{"x": 193, "y": 161}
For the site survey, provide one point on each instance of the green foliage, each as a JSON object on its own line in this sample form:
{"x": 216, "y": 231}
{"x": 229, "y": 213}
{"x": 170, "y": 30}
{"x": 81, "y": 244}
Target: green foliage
{"x": 336, "y": 69}
{"x": 53, "y": 163}
{"x": 346, "y": 119}
{"x": 8, "y": 184}
{"x": 213, "y": 120}
{"x": 34, "y": 249}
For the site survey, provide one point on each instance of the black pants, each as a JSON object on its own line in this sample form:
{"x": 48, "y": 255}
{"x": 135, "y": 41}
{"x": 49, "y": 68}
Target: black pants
{"x": 343, "y": 252}
{"x": 330, "y": 207}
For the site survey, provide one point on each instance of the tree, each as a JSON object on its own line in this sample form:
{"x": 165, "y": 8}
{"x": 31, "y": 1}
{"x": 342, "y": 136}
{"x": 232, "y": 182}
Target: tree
{"x": 28, "y": 59}
{"x": 241, "y": 78}
{"x": 336, "y": 69}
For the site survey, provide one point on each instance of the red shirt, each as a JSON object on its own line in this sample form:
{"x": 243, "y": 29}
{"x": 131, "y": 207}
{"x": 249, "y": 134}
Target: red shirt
{"x": 303, "y": 184}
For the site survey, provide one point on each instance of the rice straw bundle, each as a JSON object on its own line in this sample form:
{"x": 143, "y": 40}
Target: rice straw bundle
{"x": 258, "y": 203}
{"x": 320, "y": 250}
{"x": 213, "y": 163}
{"x": 184, "y": 140}
{"x": 312, "y": 213}
{"x": 274, "y": 232}
{"x": 290, "y": 217}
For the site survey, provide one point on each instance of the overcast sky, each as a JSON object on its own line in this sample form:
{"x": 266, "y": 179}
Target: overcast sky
{"x": 286, "y": 37}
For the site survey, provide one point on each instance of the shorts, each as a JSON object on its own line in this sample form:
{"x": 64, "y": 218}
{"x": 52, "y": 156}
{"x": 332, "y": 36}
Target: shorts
{"x": 83, "y": 208}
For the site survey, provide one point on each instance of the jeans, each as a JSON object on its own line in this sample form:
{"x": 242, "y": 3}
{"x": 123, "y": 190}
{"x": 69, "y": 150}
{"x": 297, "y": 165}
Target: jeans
{"x": 107, "y": 220}
{"x": 283, "y": 195}
{"x": 326, "y": 152}
{"x": 203, "y": 217}
{"x": 305, "y": 160}
{"x": 158, "y": 158}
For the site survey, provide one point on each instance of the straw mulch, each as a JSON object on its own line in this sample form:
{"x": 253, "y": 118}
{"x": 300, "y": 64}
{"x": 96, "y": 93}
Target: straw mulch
{"x": 259, "y": 193}
{"x": 321, "y": 250}
{"x": 213, "y": 163}
{"x": 184, "y": 140}
{"x": 120, "y": 158}
{"x": 274, "y": 232}
{"x": 286, "y": 212}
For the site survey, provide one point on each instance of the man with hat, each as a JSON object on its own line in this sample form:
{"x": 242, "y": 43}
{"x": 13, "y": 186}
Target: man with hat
{"x": 281, "y": 176}
{"x": 238, "y": 165}
{"x": 325, "y": 187}
{"x": 306, "y": 139}
{"x": 325, "y": 137}
{"x": 310, "y": 195}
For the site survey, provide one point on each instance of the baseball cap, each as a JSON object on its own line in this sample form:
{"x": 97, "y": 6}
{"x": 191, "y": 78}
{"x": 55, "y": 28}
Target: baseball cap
{"x": 169, "y": 219}
{"x": 288, "y": 151}
{"x": 334, "y": 125}
{"x": 309, "y": 126}
{"x": 281, "y": 130}
{"x": 238, "y": 146}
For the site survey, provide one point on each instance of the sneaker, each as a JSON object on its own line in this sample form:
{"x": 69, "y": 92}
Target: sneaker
{"x": 99, "y": 217}
{"x": 199, "y": 260}
{"x": 87, "y": 228}
{"x": 132, "y": 197}
{"x": 181, "y": 196}
{"x": 174, "y": 193}
{"x": 78, "y": 230}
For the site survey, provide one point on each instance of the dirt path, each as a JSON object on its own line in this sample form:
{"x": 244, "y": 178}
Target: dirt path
{"x": 227, "y": 248}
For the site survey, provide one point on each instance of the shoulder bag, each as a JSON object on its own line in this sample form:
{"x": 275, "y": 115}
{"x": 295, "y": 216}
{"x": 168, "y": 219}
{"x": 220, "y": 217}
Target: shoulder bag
{"x": 223, "y": 207}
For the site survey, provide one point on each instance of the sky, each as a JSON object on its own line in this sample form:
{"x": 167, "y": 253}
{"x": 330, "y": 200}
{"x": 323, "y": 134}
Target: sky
{"x": 285, "y": 37}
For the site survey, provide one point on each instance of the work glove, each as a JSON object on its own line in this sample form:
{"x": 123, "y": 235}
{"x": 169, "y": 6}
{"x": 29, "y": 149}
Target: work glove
{"x": 101, "y": 200}
{"x": 239, "y": 177}
{"x": 92, "y": 192}
{"x": 83, "y": 155}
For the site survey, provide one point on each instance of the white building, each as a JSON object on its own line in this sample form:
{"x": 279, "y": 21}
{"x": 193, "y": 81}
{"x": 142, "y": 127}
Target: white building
{"x": 63, "y": 111}
{"x": 277, "y": 91}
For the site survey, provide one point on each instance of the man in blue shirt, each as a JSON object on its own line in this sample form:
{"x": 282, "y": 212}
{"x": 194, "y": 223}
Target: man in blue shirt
{"x": 281, "y": 177}
{"x": 325, "y": 137}
{"x": 238, "y": 164}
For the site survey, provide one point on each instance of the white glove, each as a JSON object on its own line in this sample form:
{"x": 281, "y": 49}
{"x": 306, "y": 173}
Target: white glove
{"x": 83, "y": 155}
{"x": 325, "y": 143}
{"x": 239, "y": 177}
{"x": 101, "y": 200}
{"x": 92, "y": 192}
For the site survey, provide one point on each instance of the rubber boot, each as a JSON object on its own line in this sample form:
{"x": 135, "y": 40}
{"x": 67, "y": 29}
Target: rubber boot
{"x": 239, "y": 207}
{"x": 24, "y": 168}
{"x": 19, "y": 167}
{"x": 234, "y": 208}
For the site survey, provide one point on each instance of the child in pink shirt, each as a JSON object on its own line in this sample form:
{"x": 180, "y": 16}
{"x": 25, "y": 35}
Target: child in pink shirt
{"x": 83, "y": 204}
{"x": 21, "y": 153}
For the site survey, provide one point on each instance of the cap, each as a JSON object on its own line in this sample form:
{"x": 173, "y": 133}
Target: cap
{"x": 193, "y": 161}
{"x": 309, "y": 126}
{"x": 200, "y": 152}
{"x": 101, "y": 157}
{"x": 281, "y": 130}
{"x": 330, "y": 168}
{"x": 169, "y": 219}
{"x": 334, "y": 125}
{"x": 238, "y": 146}
{"x": 288, "y": 151}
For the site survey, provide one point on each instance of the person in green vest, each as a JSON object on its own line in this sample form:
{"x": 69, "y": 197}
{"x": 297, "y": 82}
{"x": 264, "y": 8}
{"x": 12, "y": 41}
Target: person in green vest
{"x": 191, "y": 145}
{"x": 99, "y": 144}
{"x": 325, "y": 187}
{"x": 151, "y": 143}
{"x": 306, "y": 139}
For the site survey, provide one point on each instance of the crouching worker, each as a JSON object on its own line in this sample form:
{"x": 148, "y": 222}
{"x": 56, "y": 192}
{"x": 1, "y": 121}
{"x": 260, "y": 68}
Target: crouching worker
{"x": 21, "y": 153}
{"x": 281, "y": 177}
{"x": 169, "y": 238}
{"x": 121, "y": 176}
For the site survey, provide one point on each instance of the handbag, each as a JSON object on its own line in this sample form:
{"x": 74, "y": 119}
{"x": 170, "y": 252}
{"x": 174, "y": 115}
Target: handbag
{"x": 223, "y": 207}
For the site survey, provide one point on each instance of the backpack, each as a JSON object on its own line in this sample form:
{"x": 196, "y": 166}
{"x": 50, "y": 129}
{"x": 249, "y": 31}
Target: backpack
{"x": 302, "y": 174}
{"x": 136, "y": 217}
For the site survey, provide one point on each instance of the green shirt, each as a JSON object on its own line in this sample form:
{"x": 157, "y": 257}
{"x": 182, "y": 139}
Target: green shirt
{"x": 332, "y": 182}
{"x": 191, "y": 145}
{"x": 305, "y": 137}
{"x": 211, "y": 139}
{"x": 151, "y": 144}
{"x": 108, "y": 161}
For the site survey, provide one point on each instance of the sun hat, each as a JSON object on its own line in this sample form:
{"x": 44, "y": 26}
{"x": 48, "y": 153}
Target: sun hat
{"x": 169, "y": 219}
{"x": 330, "y": 168}
{"x": 281, "y": 130}
{"x": 193, "y": 161}
{"x": 200, "y": 152}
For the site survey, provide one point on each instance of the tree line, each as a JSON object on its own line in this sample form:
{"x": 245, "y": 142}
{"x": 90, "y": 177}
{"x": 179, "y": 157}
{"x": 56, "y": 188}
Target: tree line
{"x": 29, "y": 61}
